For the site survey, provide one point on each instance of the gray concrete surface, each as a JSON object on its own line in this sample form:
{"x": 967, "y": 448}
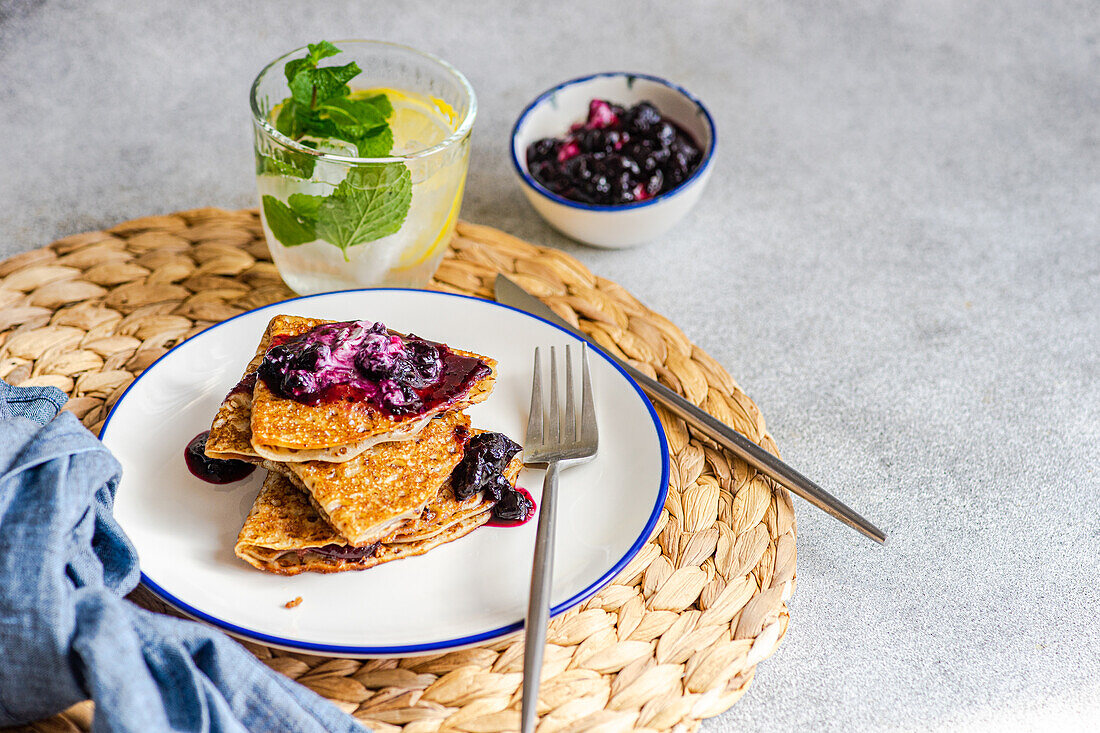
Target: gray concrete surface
{"x": 898, "y": 256}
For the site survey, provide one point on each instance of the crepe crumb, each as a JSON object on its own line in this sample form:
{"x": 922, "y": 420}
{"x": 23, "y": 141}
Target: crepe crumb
{"x": 293, "y": 604}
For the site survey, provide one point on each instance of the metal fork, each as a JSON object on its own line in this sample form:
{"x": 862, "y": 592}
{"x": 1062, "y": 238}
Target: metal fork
{"x": 560, "y": 444}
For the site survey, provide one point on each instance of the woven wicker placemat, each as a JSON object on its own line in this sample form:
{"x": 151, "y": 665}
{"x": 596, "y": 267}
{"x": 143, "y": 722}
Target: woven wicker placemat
{"x": 675, "y": 638}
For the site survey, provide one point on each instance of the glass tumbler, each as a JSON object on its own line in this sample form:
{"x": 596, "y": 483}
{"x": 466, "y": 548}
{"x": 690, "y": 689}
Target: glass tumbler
{"x": 336, "y": 221}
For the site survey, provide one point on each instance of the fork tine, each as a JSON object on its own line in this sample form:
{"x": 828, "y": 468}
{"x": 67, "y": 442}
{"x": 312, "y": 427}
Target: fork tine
{"x": 570, "y": 432}
{"x": 553, "y": 433}
{"x": 534, "y": 420}
{"x": 589, "y": 431}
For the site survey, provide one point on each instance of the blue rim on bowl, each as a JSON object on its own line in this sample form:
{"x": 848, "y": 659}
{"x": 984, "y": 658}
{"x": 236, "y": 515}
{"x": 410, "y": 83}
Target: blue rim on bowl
{"x": 521, "y": 167}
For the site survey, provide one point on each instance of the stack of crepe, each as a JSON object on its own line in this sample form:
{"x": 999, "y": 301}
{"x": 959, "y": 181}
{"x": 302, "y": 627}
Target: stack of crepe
{"x": 348, "y": 487}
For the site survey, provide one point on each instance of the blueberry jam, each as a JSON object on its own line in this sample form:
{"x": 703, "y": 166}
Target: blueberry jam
{"x": 616, "y": 156}
{"x": 244, "y": 386}
{"x": 516, "y": 508}
{"x": 344, "y": 552}
{"x": 483, "y": 462}
{"x": 484, "y": 459}
{"x": 360, "y": 361}
{"x": 213, "y": 470}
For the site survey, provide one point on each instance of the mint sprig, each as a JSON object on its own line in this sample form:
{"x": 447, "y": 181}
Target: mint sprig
{"x": 319, "y": 105}
{"x": 373, "y": 200}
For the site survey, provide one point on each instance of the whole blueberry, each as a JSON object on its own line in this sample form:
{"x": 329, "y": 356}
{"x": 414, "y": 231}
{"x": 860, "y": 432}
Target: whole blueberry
{"x": 543, "y": 149}
{"x": 425, "y": 361}
{"x": 653, "y": 186}
{"x": 300, "y": 383}
{"x": 592, "y": 140}
{"x": 643, "y": 116}
{"x": 664, "y": 132}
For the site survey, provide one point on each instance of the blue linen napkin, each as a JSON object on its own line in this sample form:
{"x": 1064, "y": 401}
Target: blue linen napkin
{"x": 67, "y": 633}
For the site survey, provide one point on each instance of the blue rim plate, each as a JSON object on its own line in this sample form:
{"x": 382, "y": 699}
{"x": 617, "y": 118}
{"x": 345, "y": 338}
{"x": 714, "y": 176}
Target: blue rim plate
{"x": 462, "y": 593}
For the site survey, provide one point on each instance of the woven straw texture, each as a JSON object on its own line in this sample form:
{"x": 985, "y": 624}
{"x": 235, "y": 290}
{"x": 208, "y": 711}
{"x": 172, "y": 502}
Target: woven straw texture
{"x": 674, "y": 639}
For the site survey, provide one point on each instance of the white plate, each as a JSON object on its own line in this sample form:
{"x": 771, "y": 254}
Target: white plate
{"x": 462, "y": 593}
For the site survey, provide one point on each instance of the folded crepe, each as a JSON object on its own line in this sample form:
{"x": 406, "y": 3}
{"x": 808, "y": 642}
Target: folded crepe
{"x": 286, "y": 430}
{"x": 285, "y": 534}
{"x": 366, "y": 498}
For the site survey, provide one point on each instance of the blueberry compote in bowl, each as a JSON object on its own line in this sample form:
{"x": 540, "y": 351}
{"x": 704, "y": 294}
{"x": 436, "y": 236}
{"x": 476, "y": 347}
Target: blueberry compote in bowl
{"x": 613, "y": 159}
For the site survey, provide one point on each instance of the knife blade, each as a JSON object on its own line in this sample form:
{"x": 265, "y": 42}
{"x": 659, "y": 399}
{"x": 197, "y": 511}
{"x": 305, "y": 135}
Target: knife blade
{"x": 511, "y": 294}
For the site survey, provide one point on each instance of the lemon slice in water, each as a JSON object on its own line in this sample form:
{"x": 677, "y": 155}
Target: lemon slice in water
{"x": 414, "y": 256}
{"x": 419, "y": 122}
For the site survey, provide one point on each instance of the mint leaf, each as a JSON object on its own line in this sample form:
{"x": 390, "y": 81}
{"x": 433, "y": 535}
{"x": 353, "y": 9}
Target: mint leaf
{"x": 377, "y": 145}
{"x": 381, "y": 102}
{"x": 317, "y": 51}
{"x": 287, "y": 226}
{"x": 296, "y": 65}
{"x": 322, "y": 50}
{"x": 352, "y": 117}
{"x": 310, "y": 87}
{"x": 288, "y": 120}
{"x": 360, "y": 122}
{"x": 266, "y": 164}
{"x": 305, "y": 206}
{"x": 295, "y": 121}
{"x": 371, "y": 203}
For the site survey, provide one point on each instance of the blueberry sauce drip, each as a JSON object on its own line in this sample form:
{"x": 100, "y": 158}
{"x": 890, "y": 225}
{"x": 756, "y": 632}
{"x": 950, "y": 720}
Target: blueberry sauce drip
{"x": 343, "y": 552}
{"x": 616, "y": 156}
{"x": 516, "y": 508}
{"x": 213, "y": 470}
{"x": 360, "y": 361}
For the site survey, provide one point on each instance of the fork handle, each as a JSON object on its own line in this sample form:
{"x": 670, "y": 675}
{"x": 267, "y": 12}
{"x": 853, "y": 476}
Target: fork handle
{"x": 538, "y": 606}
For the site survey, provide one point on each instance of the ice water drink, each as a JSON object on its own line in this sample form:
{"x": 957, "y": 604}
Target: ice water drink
{"x": 337, "y": 219}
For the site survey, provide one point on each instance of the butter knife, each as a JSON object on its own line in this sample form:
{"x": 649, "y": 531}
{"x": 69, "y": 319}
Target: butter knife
{"x": 511, "y": 294}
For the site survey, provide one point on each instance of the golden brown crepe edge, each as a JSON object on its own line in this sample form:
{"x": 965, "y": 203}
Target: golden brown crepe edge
{"x": 297, "y": 559}
{"x": 252, "y": 549}
{"x": 386, "y": 553}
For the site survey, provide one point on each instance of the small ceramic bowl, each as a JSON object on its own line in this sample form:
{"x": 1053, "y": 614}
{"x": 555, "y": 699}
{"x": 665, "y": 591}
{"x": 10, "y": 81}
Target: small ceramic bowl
{"x": 622, "y": 225}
